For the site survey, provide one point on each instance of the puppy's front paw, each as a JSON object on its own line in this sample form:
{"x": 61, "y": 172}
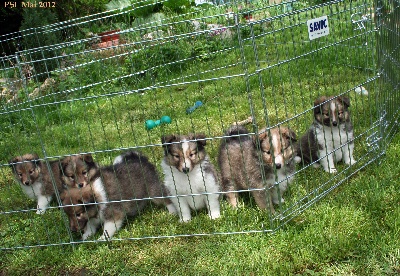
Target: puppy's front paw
{"x": 332, "y": 170}
{"x": 316, "y": 165}
{"x": 40, "y": 211}
{"x": 214, "y": 215}
{"x": 350, "y": 162}
{"x": 276, "y": 201}
{"x": 171, "y": 209}
{"x": 187, "y": 219}
{"x": 103, "y": 238}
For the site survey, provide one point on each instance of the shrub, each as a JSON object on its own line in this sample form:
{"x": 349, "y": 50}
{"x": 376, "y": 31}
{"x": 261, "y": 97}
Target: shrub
{"x": 37, "y": 17}
{"x": 70, "y": 9}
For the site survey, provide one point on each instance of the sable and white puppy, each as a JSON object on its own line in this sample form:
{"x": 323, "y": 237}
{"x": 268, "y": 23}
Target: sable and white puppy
{"x": 77, "y": 170}
{"x": 35, "y": 178}
{"x": 243, "y": 169}
{"x": 330, "y": 138}
{"x": 189, "y": 174}
{"x": 113, "y": 193}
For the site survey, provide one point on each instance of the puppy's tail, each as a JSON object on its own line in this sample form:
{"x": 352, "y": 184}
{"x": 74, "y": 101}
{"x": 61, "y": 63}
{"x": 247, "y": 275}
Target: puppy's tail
{"x": 130, "y": 157}
{"x": 236, "y": 134}
{"x": 244, "y": 122}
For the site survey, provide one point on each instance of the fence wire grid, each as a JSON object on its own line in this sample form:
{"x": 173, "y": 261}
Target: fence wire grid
{"x": 69, "y": 90}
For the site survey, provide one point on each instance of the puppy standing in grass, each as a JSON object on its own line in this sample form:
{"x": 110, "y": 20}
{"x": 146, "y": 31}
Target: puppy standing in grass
{"x": 188, "y": 170}
{"x": 242, "y": 169}
{"x": 36, "y": 180}
{"x": 113, "y": 193}
{"x": 329, "y": 139}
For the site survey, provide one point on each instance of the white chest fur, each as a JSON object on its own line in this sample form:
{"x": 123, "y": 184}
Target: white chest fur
{"x": 195, "y": 182}
{"x": 335, "y": 145}
{"x": 284, "y": 179}
{"x": 332, "y": 139}
{"x": 101, "y": 196}
{"x": 32, "y": 191}
{"x": 35, "y": 192}
{"x": 93, "y": 223}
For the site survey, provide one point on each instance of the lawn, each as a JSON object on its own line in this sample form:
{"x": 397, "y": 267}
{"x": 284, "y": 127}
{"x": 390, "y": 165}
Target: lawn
{"x": 353, "y": 231}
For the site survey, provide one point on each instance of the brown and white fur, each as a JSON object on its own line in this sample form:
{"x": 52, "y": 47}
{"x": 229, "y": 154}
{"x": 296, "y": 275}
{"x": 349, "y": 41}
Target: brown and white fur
{"x": 189, "y": 174}
{"x": 243, "y": 169}
{"x": 77, "y": 170}
{"x": 330, "y": 138}
{"x": 128, "y": 185}
{"x": 36, "y": 180}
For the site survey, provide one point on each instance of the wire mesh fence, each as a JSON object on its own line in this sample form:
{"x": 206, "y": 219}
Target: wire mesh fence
{"x": 80, "y": 93}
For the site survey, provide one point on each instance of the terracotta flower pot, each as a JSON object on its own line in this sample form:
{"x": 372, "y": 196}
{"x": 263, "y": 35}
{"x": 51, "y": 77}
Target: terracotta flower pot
{"x": 109, "y": 36}
{"x": 248, "y": 16}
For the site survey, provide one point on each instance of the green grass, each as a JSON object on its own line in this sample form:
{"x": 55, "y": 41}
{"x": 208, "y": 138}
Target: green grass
{"x": 353, "y": 231}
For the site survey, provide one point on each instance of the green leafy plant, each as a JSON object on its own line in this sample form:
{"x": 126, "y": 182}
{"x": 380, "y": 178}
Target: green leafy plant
{"x": 140, "y": 8}
{"x": 37, "y": 17}
{"x": 177, "y": 6}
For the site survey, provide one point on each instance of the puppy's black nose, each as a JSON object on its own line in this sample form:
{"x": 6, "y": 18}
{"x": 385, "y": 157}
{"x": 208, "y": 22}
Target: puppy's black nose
{"x": 278, "y": 166}
{"x": 334, "y": 123}
{"x": 26, "y": 183}
{"x": 80, "y": 185}
{"x": 185, "y": 170}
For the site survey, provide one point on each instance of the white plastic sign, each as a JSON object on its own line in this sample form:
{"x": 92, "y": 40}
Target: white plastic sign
{"x": 199, "y": 2}
{"x": 318, "y": 27}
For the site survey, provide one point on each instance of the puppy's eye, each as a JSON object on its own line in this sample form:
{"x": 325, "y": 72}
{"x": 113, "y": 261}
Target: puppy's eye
{"x": 20, "y": 174}
{"x": 193, "y": 155}
{"x": 31, "y": 171}
{"x": 267, "y": 151}
{"x": 176, "y": 156}
{"x": 326, "y": 115}
{"x": 72, "y": 177}
{"x": 84, "y": 173}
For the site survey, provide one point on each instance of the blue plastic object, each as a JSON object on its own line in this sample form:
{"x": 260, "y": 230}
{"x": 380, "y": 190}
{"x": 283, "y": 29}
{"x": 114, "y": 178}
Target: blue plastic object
{"x": 193, "y": 108}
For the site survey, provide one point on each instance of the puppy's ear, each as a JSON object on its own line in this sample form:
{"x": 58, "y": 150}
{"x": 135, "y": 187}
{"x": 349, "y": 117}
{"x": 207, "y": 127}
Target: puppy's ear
{"x": 64, "y": 163}
{"x": 289, "y": 134}
{"x": 168, "y": 139}
{"x": 261, "y": 137}
{"x": 88, "y": 158}
{"x": 200, "y": 136}
{"x": 35, "y": 156}
{"x": 14, "y": 160}
{"x": 317, "y": 105}
{"x": 345, "y": 100}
